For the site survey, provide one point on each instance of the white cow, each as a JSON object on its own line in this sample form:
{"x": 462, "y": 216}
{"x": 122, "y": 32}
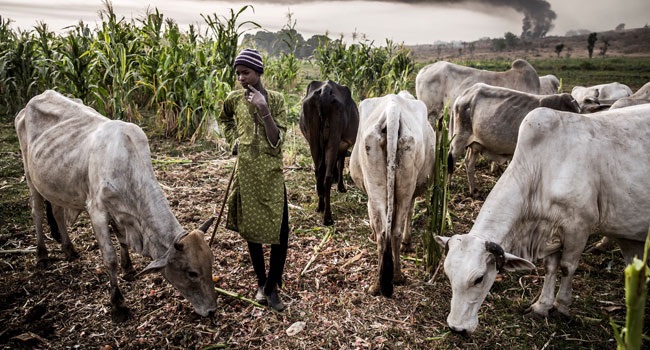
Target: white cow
{"x": 77, "y": 159}
{"x": 570, "y": 174}
{"x": 549, "y": 84}
{"x": 440, "y": 83}
{"x": 485, "y": 120}
{"x": 641, "y": 96}
{"x": 599, "y": 97}
{"x": 391, "y": 162}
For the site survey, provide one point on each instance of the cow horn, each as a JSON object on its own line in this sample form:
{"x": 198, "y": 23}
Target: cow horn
{"x": 206, "y": 225}
{"x": 498, "y": 253}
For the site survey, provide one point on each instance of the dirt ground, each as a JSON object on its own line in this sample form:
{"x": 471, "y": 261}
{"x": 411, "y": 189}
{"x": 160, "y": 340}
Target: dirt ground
{"x": 327, "y": 274}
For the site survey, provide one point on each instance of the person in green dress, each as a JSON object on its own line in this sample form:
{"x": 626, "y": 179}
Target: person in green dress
{"x": 254, "y": 122}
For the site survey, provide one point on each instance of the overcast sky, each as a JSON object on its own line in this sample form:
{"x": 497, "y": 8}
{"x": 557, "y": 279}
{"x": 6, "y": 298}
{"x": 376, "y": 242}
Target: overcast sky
{"x": 407, "y": 21}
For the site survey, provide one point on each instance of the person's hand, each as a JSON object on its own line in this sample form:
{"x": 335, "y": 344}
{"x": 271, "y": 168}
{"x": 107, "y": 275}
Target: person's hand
{"x": 256, "y": 98}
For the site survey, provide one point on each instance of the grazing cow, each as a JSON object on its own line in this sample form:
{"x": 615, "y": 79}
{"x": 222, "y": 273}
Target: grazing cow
{"x": 641, "y": 96}
{"x": 391, "y": 162}
{"x": 329, "y": 121}
{"x": 570, "y": 175}
{"x": 599, "y": 97}
{"x": 440, "y": 83}
{"x": 549, "y": 84}
{"x": 485, "y": 120}
{"x": 77, "y": 159}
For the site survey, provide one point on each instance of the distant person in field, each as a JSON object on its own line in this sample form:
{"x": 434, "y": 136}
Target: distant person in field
{"x": 254, "y": 121}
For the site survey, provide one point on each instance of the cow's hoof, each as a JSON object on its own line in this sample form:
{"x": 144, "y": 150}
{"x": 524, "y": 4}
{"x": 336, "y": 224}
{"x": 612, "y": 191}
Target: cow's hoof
{"x": 342, "y": 190}
{"x": 129, "y": 275}
{"x": 406, "y": 247}
{"x": 328, "y": 222}
{"x": 43, "y": 263}
{"x": 374, "y": 289}
{"x": 72, "y": 255}
{"x": 120, "y": 314}
{"x": 562, "y": 309}
{"x": 399, "y": 279}
{"x": 538, "y": 310}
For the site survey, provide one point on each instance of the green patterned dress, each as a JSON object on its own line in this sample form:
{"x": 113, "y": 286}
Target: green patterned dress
{"x": 256, "y": 201}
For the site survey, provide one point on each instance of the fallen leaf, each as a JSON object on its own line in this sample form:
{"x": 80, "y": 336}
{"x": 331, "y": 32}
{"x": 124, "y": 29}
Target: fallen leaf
{"x": 296, "y": 328}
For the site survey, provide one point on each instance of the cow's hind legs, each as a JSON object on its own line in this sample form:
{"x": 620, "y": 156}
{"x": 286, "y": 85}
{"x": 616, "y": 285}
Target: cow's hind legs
{"x": 59, "y": 224}
{"x": 128, "y": 270}
{"x": 127, "y": 265}
{"x": 398, "y": 277}
{"x": 339, "y": 171}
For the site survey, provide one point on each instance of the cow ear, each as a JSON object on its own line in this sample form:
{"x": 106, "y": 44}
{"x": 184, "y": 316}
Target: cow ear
{"x": 443, "y": 242}
{"x": 154, "y": 266}
{"x": 515, "y": 263}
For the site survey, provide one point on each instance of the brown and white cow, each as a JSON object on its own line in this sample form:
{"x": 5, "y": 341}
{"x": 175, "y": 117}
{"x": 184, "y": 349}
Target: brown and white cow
{"x": 485, "y": 120}
{"x": 442, "y": 82}
{"x": 329, "y": 121}
{"x": 391, "y": 162}
{"x": 599, "y": 97}
{"x": 77, "y": 159}
{"x": 570, "y": 175}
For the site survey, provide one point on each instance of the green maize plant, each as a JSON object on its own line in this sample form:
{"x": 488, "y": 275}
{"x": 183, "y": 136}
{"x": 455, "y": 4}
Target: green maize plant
{"x": 7, "y": 80}
{"x": 19, "y": 62}
{"x": 368, "y": 71}
{"x": 282, "y": 72}
{"x": 46, "y": 72}
{"x": 636, "y": 292}
{"x": 226, "y": 32}
{"x": 439, "y": 194}
{"x": 114, "y": 65}
{"x": 72, "y": 60}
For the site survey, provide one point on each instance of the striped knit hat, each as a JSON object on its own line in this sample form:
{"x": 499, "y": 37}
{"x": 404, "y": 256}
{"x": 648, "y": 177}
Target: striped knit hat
{"x": 250, "y": 58}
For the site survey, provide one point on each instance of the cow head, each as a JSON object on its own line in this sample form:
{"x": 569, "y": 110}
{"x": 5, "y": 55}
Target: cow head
{"x": 187, "y": 265}
{"x": 472, "y": 265}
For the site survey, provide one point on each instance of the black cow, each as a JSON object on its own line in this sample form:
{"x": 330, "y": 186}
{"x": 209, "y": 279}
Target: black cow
{"x": 329, "y": 121}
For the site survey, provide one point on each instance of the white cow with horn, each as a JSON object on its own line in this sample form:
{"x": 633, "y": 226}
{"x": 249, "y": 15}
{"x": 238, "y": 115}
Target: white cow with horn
{"x": 570, "y": 175}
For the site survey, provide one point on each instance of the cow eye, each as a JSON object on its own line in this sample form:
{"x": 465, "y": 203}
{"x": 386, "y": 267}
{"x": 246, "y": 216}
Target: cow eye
{"x": 478, "y": 281}
{"x": 192, "y": 274}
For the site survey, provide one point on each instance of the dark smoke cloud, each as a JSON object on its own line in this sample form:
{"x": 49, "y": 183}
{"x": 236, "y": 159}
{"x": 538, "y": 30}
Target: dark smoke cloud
{"x": 538, "y": 16}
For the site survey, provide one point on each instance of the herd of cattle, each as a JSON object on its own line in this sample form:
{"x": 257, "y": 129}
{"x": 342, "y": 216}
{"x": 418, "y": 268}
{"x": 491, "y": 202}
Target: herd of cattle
{"x": 578, "y": 162}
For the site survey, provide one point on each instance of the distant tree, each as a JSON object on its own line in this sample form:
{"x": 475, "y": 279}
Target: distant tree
{"x": 620, "y": 27}
{"x": 558, "y": 49}
{"x": 591, "y": 42}
{"x": 511, "y": 40}
{"x": 498, "y": 44}
{"x": 472, "y": 47}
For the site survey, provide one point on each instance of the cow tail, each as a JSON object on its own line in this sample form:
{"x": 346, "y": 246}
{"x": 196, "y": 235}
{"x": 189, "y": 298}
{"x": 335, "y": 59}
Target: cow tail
{"x": 387, "y": 264}
{"x": 54, "y": 228}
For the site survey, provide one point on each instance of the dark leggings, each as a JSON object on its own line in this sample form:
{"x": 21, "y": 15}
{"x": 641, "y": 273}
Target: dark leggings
{"x": 277, "y": 259}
